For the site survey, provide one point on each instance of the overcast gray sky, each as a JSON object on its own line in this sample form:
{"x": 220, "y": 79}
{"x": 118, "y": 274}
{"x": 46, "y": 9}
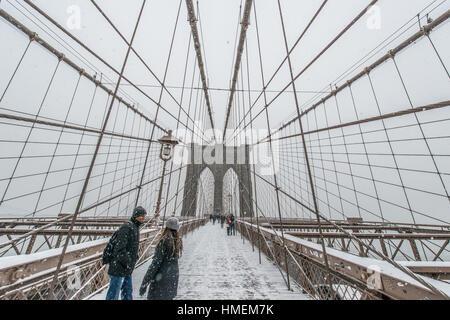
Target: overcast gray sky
{"x": 219, "y": 22}
{"x": 394, "y": 20}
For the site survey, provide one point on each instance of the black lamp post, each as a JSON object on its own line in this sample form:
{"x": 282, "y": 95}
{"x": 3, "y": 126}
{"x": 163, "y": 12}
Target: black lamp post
{"x": 168, "y": 143}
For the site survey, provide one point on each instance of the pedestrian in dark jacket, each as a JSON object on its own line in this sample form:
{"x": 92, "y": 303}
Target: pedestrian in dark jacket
{"x": 124, "y": 257}
{"x": 232, "y": 225}
{"x": 162, "y": 275}
{"x": 228, "y": 225}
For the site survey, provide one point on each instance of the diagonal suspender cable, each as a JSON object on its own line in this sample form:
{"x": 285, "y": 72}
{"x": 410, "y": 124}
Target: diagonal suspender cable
{"x": 197, "y": 46}
{"x": 271, "y": 150}
{"x": 313, "y": 191}
{"x": 41, "y": 12}
{"x": 411, "y": 40}
{"x": 62, "y": 57}
{"x": 160, "y": 97}
{"x": 181, "y": 100}
{"x": 100, "y": 138}
{"x": 285, "y": 58}
{"x": 244, "y": 26}
{"x": 325, "y": 49}
{"x": 161, "y": 83}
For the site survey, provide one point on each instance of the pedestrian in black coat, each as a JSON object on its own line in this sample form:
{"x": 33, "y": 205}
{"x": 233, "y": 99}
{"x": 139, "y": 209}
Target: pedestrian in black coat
{"x": 162, "y": 275}
{"x": 124, "y": 256}
{"x": 232, "y": 225}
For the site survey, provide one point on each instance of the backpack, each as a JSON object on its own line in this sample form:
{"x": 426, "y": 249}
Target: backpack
{"x": 109, "y": 249}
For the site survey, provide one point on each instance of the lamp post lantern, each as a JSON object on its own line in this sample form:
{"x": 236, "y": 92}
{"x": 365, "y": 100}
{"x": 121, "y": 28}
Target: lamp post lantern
{"x": 168, "y": 143}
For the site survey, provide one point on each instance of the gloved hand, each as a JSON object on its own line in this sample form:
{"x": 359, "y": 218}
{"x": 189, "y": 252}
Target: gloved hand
{"x": 142, "y": 290}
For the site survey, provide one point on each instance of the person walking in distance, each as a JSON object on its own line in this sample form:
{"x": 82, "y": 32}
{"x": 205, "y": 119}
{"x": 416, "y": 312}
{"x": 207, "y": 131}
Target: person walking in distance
{"x": 222, "y": 220}
{"x": 232, "y": 225}
{"x": 218, "y": 217}
{"x": 162, "y": 275}
{"x": 121, "y": 254}
{"x": 228, "y": 225}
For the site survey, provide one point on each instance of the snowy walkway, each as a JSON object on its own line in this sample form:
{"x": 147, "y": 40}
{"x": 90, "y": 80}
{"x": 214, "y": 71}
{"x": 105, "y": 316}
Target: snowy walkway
{"x": 216, "y": 266}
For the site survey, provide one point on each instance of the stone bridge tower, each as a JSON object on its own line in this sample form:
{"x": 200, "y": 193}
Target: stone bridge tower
{"x": 219, "y": 159}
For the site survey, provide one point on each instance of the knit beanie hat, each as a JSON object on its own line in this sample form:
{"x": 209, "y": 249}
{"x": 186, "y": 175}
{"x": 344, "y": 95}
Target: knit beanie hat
{"x": 139, "y": 211}
{"x": 172, "y": 223}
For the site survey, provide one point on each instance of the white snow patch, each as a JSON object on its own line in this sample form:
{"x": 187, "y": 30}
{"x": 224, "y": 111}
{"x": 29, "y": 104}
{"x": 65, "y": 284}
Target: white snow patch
{"x": 215, "y": 266}
{"x": 384, "y": 266}
{"x": 11, "y": 261}
{"x": 7, "y": 262}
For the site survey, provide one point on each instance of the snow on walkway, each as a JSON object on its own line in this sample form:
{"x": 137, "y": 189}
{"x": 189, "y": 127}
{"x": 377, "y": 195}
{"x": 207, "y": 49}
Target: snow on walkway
{"x": 215, "y": 266}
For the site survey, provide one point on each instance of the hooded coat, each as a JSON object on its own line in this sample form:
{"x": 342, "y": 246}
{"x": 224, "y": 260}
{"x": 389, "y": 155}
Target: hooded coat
{"x": 162, "y": 275}
{"x": 126, "y": 245}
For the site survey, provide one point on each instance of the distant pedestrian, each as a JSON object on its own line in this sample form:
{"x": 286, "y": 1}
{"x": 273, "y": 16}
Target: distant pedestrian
{"x": 232, "y": 225}
{"x": 210, "y": 217}
{"x": 228, "y": 225}
{"x": 121, "y": 254}
{"x": 162, "y": 275}
{"x": 222, "y": 220}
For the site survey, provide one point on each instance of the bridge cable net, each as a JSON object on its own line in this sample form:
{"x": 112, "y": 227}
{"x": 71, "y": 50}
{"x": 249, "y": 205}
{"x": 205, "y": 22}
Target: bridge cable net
{"x": 347, "y": 187}
{"x": 81, "y": 151}
{"x": 343, "y": 163}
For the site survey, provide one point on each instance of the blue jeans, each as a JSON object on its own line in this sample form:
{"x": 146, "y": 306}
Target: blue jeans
{"x": 120, "y": 284}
